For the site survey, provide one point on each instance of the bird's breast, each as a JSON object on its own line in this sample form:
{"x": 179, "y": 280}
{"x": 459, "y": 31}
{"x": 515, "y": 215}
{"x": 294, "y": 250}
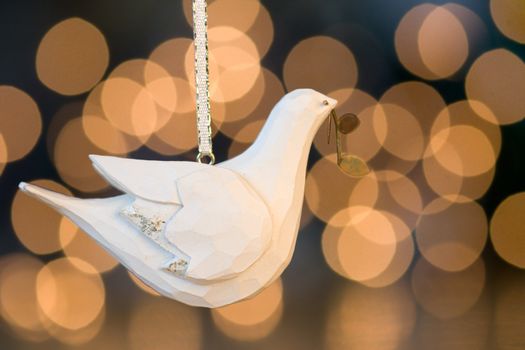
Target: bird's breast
{"x": 223, "y": 226}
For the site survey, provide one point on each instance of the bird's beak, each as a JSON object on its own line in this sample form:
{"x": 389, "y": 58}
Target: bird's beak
{"x": 350, "y": 164}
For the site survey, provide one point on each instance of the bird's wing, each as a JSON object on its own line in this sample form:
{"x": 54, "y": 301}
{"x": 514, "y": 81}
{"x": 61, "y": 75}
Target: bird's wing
{"x": 209, "y": 218}
{"x": 224, "y": 226}
{"x": 148, "y": 179}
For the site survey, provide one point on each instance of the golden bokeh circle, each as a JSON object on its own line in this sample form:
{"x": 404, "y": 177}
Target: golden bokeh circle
{"x": 507, "y": 229}
{"x": 321, "y": 63}
{"x": 20, "y": 122}
{"x": 129, "y": 106}
{"x": 328, "y": 190}
{"x": 104, "y": 135}
{"x": 72, "y": 57}
{"x": 40, "y": 234}
{"x": 445, "y": 294}
{"x": 497, "y": 79}
{"x": 100, "y": 131}
{"x": 170, "y": 54}
{"x": 445, "y": 159}
{"x": 398, "y": 131}
{"x": 68, "y": 297}
{"x": 18, "y": 302}
{"x": 509, "y": 16}
{"x": 254, "y": 318}
{"x": 474, "y": 152}
{"x": 420, "y": 100}
{"x": 367, "y": 246}
{"x": 77, "y": 337}
{"x": 241, "y": 109}
{"x": 402, "y": 258}
{"x": 467, "y": 113}
{"x": 406, "y": 41}
{"x": 442, "y": 42}
{"x": 252, "y": 107}
{"x": 452, "y": 236}
{"x": 262, "y": 31}
{"x": 72, "y": 148}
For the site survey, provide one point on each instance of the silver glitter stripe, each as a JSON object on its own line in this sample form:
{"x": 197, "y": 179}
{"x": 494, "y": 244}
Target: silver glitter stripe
{"x": 200, "y": 36}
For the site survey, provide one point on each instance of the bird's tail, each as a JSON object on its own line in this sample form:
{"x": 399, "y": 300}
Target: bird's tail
{"x": 58, "y": 201}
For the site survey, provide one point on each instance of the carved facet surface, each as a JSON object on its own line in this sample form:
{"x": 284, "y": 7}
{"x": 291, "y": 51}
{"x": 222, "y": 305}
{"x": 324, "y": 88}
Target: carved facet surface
{"x": 200, "y": 234}
{"x": 226, "y": 235}
{"x": 150, "y": 219}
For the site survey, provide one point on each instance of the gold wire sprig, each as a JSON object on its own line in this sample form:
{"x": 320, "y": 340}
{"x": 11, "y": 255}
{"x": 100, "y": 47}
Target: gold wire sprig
{"x": 350, "y": 164}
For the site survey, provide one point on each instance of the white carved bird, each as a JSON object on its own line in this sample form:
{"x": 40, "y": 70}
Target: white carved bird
{"x": 207, "y": 235}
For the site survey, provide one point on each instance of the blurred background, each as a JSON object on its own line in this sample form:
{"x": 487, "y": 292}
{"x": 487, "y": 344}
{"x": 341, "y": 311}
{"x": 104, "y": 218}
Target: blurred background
{"x": 436, "y": 259}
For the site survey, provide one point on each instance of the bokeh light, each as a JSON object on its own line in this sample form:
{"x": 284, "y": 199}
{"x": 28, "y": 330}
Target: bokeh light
{"x": 471, "y": 147}
{"x": 321, "y": 63}
{"x": 20, "y": 122}
{"x": 497, "y": 79}
{"x": 431, "y": 42}
{"x": 170, "y": 54}
{"x": 362, "y": 248}
{"x": 104, "y": 135}
{"x": 507, "y": 229}
{"x": 72, "y": 57}
{"x": 420, "y": 100}
{"x": 252, "y": 319}
{"x": 442, "y": 42}
{"x": 399, "y": 131}
{"x": 40, "y": 234}
{"x": 18, "y": 303}
{"x": 447, "y": 294}
{"x": 452, "y": 238}
{"x": 402, "y": 257}
{"x": 72, "y": 148}
{"x": 66, "y": 296}
{"x": 509, "y": 16}
{"x": 129, "y": 107}
{"x": 252, "y": 107}
{"x": 99, "y": 129}
{"x": 328, "y": 190}
{"x": 77, "y": 337}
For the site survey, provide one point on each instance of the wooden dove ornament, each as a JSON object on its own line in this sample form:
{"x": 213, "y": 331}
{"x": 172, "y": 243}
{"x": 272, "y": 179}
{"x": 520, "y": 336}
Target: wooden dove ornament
{"x": 201, "y": 234}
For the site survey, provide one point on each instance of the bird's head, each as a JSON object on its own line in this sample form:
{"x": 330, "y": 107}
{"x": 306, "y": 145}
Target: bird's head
{"x": 309, "y": 103}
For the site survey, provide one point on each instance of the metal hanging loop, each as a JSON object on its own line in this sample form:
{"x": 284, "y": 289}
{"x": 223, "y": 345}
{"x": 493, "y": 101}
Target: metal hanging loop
{"x": 200, "y": 39}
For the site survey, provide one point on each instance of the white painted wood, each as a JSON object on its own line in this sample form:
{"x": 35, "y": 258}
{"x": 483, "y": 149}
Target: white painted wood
{"x": 227, "y": 230}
